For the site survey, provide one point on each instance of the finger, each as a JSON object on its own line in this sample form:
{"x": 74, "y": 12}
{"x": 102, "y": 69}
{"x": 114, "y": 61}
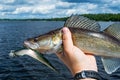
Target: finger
{"x": 67, "y": 39}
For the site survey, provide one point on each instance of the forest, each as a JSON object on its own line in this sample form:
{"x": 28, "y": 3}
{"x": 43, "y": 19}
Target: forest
{"x": 97, "y": 17}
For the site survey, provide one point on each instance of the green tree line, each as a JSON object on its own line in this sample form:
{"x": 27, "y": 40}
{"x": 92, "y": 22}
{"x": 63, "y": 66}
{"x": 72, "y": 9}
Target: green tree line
{"x": 97, "y": 17}
{"x": 103, "y": 17}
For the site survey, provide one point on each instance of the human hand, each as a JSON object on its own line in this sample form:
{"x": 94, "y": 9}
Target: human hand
{"x": 73, "y": 57}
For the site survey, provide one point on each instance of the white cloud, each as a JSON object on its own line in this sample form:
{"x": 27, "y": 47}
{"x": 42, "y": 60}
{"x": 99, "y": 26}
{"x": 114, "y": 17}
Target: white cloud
{"x": 5, "y": 8}
{"x": 2, "y": 14}
{"x": 91, "y": 6}
{"x": 64, "y": 4}
{"x": 82, "y": 8}
{"x": 43, "y": 9}
{"x": 1, "y": 7}
{"x": 70, "y": 11}
{"x": 115, "y": 3}
{"x": 54, "y": 8}
{"x": 22, "y": 10}
{"x": 7, "y": 1}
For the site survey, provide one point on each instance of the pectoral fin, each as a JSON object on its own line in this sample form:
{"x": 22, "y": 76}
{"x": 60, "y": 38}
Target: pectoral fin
{"x": 111, "y": 64}
{"x": 43, "y": 60}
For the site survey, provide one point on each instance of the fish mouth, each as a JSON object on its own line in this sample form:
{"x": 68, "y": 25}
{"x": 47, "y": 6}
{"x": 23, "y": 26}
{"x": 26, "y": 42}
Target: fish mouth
{"x": 31, "y": 45}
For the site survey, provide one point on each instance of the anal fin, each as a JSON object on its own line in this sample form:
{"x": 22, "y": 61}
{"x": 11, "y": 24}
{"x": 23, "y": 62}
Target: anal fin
{"x": 111, "y": 64}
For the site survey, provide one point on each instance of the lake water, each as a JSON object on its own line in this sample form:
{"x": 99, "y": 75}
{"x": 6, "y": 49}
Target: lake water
{"x": 12, "y": 35}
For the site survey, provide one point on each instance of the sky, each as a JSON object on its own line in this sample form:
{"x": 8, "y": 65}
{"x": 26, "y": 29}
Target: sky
{"x": 22, "y": 9}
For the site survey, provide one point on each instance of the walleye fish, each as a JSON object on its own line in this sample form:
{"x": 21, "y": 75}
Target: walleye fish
{"x": 87, "y": 36}
{"x": 34, "y": 55}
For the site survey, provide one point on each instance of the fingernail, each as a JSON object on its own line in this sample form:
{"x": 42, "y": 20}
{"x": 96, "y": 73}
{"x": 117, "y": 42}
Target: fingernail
{"x": 64, "y": 30}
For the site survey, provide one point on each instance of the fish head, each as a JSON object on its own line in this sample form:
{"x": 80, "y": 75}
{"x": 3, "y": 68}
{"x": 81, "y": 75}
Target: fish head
{"x": 47, "y": 43}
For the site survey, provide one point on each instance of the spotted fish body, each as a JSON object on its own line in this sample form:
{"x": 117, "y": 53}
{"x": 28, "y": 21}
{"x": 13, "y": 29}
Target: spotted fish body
{"x": 97, "y": 43}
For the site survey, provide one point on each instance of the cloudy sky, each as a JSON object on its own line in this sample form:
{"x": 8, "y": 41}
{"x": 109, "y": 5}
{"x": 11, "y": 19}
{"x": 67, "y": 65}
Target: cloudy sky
{"x": 55, "y": 8}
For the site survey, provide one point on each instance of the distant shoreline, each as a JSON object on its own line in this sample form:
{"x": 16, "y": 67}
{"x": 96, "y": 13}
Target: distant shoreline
{"x": 97, "y": 17}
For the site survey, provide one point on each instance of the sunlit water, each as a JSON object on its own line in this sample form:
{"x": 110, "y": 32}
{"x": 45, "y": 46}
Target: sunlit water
{"x": 12, "y": 35}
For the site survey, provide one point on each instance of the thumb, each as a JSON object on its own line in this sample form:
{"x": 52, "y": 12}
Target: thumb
{"x": 67, "y": 40}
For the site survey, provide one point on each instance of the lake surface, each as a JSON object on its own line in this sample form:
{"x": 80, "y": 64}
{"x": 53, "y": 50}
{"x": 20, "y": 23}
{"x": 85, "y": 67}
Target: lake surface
{"x": 12, "y": 35}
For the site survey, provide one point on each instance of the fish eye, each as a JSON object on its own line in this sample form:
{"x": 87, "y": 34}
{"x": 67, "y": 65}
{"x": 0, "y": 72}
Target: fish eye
{"x": 35, "y": 39}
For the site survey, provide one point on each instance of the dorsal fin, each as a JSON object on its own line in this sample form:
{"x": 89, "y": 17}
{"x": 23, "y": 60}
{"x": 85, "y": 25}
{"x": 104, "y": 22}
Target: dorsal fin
{"x": 114, "y": 30}
{"x": 82, "y": 22}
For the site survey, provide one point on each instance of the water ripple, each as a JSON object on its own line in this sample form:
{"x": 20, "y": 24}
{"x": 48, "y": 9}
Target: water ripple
{"x": 12, "y": 35}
